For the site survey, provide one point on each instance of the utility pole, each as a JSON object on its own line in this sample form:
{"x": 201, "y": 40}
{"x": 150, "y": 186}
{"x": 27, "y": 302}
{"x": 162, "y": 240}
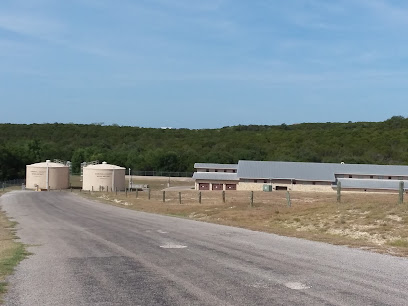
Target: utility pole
{"x": 130, "y": 180}
{"x": 338, "y": 192}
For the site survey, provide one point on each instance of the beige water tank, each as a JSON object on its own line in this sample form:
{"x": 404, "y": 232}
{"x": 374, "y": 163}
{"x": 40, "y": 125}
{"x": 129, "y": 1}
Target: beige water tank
{"x": 56, "y": 174}
{"x": 103, "y": 177}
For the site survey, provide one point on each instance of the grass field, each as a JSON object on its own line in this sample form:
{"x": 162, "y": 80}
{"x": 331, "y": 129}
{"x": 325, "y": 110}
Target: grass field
{"x": 11, "y": 251}
{"x": 372, "y": 221}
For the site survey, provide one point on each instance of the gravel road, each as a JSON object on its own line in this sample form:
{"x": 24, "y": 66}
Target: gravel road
{"x": 88, "y": 253}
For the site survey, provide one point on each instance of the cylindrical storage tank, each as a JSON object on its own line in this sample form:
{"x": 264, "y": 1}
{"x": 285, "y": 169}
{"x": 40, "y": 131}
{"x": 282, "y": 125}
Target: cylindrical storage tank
{"x": 103, "y": 177}
{"x": 39, "y": 175}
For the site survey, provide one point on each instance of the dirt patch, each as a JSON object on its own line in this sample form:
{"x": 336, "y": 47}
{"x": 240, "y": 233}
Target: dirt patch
{"x": 395, "y": 218}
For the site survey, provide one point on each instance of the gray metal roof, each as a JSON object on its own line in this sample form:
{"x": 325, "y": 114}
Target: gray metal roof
{"x": 385, "y": 170}
{"x": 215, "y": 166}
{"x": 312, "y": 171}
{"x": 216, "y": 176}
{"x": 286, "y": 170}
{"x": 372, "y": 184}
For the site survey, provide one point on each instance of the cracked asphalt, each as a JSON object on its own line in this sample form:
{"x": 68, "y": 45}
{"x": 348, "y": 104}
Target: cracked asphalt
{"x": 89, "y": 253}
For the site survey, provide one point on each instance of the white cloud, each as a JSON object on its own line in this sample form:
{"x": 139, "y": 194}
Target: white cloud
{"x": 192, "y": 5}
{"x": 48, "y": 29}
{"x": 387, "y": 12}
{"x": 26, "y": 24}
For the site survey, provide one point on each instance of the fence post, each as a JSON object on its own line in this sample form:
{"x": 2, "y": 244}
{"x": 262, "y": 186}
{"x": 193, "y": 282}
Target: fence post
{"x": 223, "y": 196}
{"x": 179, "y": 197}
{"x": 164, "y": 196}
{"x": 338, "y": 192}
{"x": 148, "y": 193}
{"x": 116, "y": 190}
{"x": 288, "y": 199}
{"x": 126, "y": 191}
{"x": 107, "y": 188}
{"x": 401, "y": 192}
{"x": 199, "y": 197}
{"x": 251, "y": 199}
{"x": 137, "y": 193}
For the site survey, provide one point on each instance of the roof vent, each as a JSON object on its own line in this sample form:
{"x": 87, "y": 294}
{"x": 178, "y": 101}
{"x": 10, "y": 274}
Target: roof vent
{"x": 342, "y": 163}
{"x": 104, "y": 163}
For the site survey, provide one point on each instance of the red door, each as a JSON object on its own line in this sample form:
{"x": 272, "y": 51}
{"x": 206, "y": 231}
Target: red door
{"x": 216, "y": 186}
{"x": 204, "y": 186}
{"x": 231, "y": 186}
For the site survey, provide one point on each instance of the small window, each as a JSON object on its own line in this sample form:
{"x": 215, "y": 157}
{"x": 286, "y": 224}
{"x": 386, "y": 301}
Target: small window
{"x": 371, "y": 176}
{"x": 225, "y": 170}
{"x": 255, "y": 181}
{"x": 389, "y": 177}
{"x": 380, "y": 177}
{"x": 265, "y": 181}
{"x": 294, "y": 182}
{"x": 207, "y": 170}
{"x": 314, "y": 183}
{"x": 350, "y": 176}
{"x": 216, "y": 170}
{"x": 234, "y": 171}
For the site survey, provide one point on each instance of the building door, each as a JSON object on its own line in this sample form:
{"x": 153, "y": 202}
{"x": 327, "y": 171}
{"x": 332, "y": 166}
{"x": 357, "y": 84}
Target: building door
{"x": 204, "y": 186}
{"x": 231, "y": 186}
{"x": 216, "y": 186}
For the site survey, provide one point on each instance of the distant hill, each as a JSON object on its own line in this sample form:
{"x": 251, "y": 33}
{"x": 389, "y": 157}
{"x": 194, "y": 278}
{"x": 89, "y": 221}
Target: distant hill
{"x": 178, "y": 149}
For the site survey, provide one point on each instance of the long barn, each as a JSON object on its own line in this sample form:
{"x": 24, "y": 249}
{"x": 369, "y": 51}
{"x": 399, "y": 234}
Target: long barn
{"x": 298, "y": 176}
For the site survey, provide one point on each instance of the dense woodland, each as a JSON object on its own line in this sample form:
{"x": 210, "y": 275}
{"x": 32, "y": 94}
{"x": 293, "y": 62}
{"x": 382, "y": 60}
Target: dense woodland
{"x": 178, "y": 149}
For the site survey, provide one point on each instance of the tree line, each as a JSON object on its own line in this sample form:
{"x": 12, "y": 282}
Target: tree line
{"x": 148, "y": 149}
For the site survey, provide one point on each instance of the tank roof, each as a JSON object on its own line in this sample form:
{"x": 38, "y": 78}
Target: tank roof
{"x": 103, "y": 166}
{"x": 49, "y": 165}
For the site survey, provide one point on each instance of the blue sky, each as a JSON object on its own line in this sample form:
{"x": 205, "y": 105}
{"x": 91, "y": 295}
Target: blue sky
{"x": 202, "y": 64}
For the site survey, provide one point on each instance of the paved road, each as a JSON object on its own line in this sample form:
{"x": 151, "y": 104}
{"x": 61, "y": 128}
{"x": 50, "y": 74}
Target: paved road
{"x": 86, "y": 253}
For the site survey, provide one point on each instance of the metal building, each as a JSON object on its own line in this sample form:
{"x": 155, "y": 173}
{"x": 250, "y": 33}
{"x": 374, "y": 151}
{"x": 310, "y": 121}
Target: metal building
{"x": 103, "y": 177}
{"x": 47, "y": 176}
{"x": 299, "y": 176}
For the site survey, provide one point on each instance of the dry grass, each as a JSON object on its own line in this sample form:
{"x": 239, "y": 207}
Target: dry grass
{"x": 372, "y": 221}
{"x": 11, "y": 251}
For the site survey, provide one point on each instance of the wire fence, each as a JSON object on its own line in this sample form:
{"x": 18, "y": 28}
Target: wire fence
{"x": 12, "y": 183}
{"x": 153, "y": 173}
{"x": 162, "y": 173}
